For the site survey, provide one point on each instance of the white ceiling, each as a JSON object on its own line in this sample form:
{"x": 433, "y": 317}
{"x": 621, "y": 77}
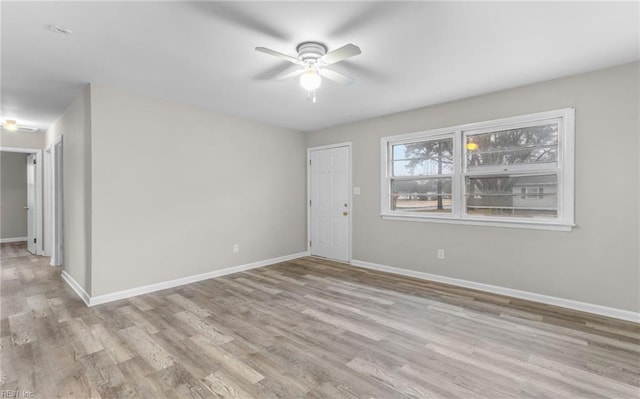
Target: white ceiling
{"x": 202, "y": 53}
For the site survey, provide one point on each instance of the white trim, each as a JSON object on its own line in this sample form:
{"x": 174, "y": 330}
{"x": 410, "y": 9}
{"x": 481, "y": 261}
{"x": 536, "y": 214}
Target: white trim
{"x": 38, "y": 183}
{"x": 12, "y": 239}
{"x": 530, "y": 296}
{"x": 145, "y": 289}
{"x": 47, "y": 201}
{"x": 329, "y": 146}
{"x": 20, "y": 149}
{"x": 54, "y": 202}
{"x": 76, "y": 288}
{"x": 349, "y": 146}
{"x": 55, "y": 141}
{"x": 39, "y": 205}
{"x": 49, "y": 179}
{"x": 511, "y": 224}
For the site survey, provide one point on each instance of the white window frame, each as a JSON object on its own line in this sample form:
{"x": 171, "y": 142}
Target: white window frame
{"x": 563, "y": 168}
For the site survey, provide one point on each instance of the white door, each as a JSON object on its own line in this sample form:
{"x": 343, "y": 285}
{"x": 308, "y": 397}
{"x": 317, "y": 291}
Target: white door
{"x": 31, "y": 203}
{"x": 330, "y": 203}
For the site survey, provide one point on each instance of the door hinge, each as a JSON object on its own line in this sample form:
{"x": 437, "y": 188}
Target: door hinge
{"x": 309, "y": 202}
{"x": 35, "y": 240}
{"x": 34, "y": 161}
{"x": 309, "y": 162}
{"x": 309, "y": 242}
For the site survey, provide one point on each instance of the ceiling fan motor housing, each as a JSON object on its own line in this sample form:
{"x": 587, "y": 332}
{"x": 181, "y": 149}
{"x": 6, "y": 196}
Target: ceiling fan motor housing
{"x": 311, "y": 51}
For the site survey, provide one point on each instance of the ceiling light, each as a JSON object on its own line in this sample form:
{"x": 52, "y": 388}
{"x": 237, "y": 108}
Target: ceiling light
{"x": 310, "y": 80}
{"x": 10, "y": 125}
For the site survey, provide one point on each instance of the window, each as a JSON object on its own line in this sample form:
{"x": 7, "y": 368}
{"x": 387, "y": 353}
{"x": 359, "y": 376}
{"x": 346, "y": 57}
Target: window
{"x": 422, "y": 176}
{"x": 514, "y": 172}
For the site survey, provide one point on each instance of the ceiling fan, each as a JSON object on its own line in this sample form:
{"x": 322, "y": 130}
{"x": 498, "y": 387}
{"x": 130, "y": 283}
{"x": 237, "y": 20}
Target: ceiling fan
{"x": 314, "y": 59}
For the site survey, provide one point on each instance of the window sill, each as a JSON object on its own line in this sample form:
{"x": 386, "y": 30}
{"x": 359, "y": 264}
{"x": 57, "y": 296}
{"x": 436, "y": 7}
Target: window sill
{"x": 512, "y": 224}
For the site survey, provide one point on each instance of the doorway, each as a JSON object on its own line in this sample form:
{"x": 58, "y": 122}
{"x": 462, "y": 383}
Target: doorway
{"x": 329, "y": 207}
{"x": 27, "y": 209}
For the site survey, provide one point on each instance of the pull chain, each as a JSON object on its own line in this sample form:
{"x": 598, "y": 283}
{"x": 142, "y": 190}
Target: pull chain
{"x": 311, "y": 96}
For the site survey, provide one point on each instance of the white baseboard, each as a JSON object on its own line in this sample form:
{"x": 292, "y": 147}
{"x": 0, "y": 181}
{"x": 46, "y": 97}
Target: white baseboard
{"x": 546, "y": 299}
{"x": 114, "y": 296}
{"x": 76, "y": 287}
{"x": 12, "y": 239}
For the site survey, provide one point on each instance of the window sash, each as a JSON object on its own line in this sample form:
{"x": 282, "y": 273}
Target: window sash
{"x": 424, "y": 189}
{"x": 436, "y": 138}
{"x": 546, "y": 203}
{"x": 466, "y": 134}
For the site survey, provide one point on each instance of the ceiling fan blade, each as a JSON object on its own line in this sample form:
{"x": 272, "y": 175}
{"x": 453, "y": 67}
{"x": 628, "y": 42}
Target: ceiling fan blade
{"x": 240, "y": 16}
{"x": 279, "y": 68}
{"x": 274, "y": 53}
{"x": 339, "y": 54}
{"x": 290, "y": 75}
{"x": 336, "y": 76}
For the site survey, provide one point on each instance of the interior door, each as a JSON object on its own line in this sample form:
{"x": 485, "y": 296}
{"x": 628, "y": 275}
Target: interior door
{"x": 31, "y": 204}
{"x": 330, "y": 206}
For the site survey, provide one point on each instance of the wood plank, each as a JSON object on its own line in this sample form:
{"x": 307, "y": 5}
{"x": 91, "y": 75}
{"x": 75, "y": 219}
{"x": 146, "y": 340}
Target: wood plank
{"x": 230, "y": 363}
{"x": 146, "y": 347}
{"x": 22, "y": 328}
{"x": 203, "y": 328}
{"x": 189, "y": 305}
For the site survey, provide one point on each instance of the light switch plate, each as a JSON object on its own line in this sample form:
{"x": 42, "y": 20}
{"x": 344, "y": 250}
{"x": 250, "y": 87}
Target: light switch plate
{"x": 356, "y": 191}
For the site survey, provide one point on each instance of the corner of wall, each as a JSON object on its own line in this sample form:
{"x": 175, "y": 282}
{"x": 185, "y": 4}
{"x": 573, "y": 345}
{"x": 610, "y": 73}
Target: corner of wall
{"x": 75, "y": 125}
{"x": 88, "y": 106}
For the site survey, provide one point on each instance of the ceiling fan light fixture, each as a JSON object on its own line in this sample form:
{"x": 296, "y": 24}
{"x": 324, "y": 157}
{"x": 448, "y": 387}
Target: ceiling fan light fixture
{"x": 310, "y": 80}
{"x": 313, "y": 58}
{"x": 10, "y": 125}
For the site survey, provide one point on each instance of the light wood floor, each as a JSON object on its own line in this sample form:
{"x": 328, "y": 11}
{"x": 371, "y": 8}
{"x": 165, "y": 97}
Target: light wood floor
{"x": 305, "y": 329}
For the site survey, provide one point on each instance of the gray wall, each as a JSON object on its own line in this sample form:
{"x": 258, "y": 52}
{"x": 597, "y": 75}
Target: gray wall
{"x": 75, "y": 127}
{"x": 174, "y": 187}
{"x": 598, "y": 262}
{"x": 13, "y": 194}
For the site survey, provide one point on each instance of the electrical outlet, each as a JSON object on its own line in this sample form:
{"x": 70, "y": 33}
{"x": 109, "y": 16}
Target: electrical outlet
{"x": 236, "y": 248}
{"x": 441, "y": 254}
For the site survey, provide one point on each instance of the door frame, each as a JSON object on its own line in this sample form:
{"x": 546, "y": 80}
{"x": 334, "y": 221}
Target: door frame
{"x": 349, "y": 147}
{"x": 53, "y": 204}
{"x": 38, "y": 194}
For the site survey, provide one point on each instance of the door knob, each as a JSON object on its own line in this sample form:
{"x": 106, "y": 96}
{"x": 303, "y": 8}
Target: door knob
{"x": 345, "y": 213}
{"x": 26, "y": 208}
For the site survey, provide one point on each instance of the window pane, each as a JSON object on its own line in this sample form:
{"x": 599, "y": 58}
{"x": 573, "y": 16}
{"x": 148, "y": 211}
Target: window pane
{"x": 527, "y": 145}
{"x": 421, "y": 195}
{"x": 509, "y": 196}
{"x": 424, "y": 158}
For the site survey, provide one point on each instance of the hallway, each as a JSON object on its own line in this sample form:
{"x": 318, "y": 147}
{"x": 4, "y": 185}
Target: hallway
{"x": 13, "y": 250}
